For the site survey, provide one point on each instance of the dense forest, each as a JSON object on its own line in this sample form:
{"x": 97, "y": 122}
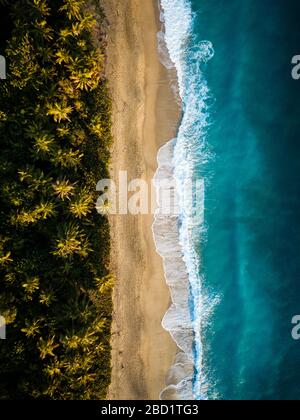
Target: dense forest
{"x": 55, "y": 138}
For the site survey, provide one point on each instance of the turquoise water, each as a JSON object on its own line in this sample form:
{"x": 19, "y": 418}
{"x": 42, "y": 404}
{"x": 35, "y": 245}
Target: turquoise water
{"x": 241, "y": 133}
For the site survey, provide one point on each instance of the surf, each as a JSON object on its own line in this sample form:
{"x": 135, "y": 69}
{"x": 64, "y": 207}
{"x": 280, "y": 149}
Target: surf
{"x": 178, "y": 238}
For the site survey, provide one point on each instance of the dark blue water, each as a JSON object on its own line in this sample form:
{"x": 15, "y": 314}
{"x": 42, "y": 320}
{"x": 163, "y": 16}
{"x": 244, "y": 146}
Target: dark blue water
{"x": 250, "y": 257}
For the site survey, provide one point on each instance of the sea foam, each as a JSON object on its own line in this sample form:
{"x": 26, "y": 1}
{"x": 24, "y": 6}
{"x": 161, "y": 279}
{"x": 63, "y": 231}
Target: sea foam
{"x": 178, "y": 238}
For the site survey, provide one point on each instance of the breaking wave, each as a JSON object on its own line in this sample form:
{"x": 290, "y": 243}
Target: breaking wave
{"x": 178, "y": 236}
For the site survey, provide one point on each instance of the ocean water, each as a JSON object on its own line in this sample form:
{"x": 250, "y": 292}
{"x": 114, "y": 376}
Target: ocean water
{"x": 233, "y": 265}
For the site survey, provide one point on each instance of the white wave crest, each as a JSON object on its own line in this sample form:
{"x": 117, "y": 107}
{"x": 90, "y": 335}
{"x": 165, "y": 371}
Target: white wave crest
{"x": 178, "y": 239}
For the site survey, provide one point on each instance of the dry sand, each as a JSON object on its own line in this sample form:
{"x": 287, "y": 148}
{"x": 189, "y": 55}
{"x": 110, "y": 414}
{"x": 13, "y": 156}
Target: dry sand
{"x": 144, "y": 118}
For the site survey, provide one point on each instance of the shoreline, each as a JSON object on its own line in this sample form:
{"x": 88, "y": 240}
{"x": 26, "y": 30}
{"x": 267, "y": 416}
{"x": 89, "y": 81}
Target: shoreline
{"x": 145, "y": 117}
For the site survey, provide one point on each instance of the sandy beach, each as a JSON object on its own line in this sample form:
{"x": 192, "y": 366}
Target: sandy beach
{"x": 145, "y": 116}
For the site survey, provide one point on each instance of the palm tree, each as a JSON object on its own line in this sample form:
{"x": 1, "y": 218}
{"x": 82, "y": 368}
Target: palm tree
{"x": 64, "y": 189}
{"x": 35, "y": 179}
{"x": 67, "y": 89}
{"x": 31, "y": 286}
{"x": 83, "y": 205}
{"x": 5, "y": 257}
{"x": 86, "y": 74}
{"x": 87, "y": 378}
{"x": 32, "y": 328}
{"x": 43, "y": 145}
{"x": 62, "y": 56}
{"x": 42, "y": 7}
{"x": 72, "y": 342}
{"x": 96, "y": 126}
{"x": 71, "y": 241}
{"x": 72, "y": 8}
{"x": 45, "y": 210}
{"x": 47, "y": 297}
{"x": 35, "y": 9}
{"x": 64, "y": 34}
{"x": 54, "y": 368}
{"x": 42, "y": 31}
{"x": 86, "y": 80}
{"x": 42, "y": 211}
{"x": 25, "y": 218}
{"x": 85, "y": 24}
{"x": 60, "y": 111}
{"x": 67, "y": 158}
{"x": 47, "y": 347}
{"x": 63, "y": 131}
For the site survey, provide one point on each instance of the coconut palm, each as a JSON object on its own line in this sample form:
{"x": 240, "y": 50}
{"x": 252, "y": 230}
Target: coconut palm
{"x": 71, "y": 241}
{"x": 52, "y": 247}
{"x": 72, "y": 8}
{"x": 45, "y": 210}
{"x": 96, "y": 126}
{"x": 31, "y": 286}
{"x": 86, "y": 74}
{"x": 63, "y": 56}
{"x": 47, "y": 347}
{"x": 64, "y": 189}
{"x": 85, "y": 24}
{"x": 5, "y": 258}
{"x": 47, "y": 297}
{"x": 32, "y": 328}
{"x": 42, "y": 7}
{"x": 43, "y": 145}
{"x": 42, "y": 31}
{"x": 59, "y": 111}
{"x": 67, "y": 158}
{"x": 86, "y": 80}
{"x": 83, "y": 205}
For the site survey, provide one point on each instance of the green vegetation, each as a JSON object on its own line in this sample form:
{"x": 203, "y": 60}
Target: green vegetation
{"x": 54, "y": 248}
